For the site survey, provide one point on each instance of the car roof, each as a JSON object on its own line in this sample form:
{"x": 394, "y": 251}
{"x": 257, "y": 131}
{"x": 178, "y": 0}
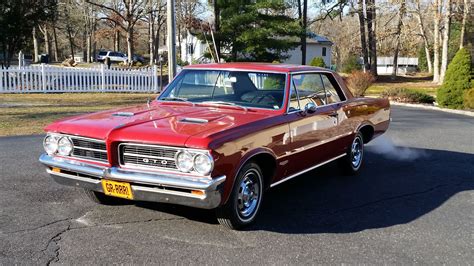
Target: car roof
{"x": 256, "y": 67}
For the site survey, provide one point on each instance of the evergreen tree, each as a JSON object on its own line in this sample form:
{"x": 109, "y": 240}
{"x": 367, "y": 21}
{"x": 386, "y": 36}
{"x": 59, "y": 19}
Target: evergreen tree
{"x": 256, "y": 30}
{"x": 457, "y": 80}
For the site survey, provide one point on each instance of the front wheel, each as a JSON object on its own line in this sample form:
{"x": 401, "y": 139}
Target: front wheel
{"x": 244, "y": 203}
{"x": 352, "y": 162}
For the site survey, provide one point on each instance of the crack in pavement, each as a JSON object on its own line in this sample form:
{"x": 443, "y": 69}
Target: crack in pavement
{"x": 55, "y": 241}
{"x": 38, "y": 227}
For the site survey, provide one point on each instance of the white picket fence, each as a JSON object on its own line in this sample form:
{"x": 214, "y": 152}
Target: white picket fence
{"x": 47, "y": 78}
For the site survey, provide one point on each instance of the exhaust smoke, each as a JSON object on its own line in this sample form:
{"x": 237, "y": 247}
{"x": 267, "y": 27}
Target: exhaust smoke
{"x": 386, "y": 147}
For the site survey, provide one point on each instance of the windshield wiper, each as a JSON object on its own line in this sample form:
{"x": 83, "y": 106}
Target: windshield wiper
{"x": 225, "y": 103}
{"x": 176, "y": 99}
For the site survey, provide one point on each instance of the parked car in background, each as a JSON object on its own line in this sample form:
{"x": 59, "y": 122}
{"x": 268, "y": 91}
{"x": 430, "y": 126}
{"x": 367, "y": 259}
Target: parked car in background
{"x": 113, "y": 56}
{"x": 218, "y": 137}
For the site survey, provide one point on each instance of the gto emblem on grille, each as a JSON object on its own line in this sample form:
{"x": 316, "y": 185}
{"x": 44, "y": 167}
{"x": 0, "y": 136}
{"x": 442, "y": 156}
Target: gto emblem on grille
{"x": 162, "y": 162}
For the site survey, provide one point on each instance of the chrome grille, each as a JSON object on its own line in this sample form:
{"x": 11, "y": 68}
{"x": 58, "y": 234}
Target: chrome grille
{"x": 90, "y": 149}
{"x": 148, "y": 156}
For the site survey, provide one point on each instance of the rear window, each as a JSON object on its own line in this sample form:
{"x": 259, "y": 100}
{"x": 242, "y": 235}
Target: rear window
{"x": 102, "y": 53}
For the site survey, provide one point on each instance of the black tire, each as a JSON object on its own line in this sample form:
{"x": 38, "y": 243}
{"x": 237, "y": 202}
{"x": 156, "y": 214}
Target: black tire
{"x": 351, "y": 163}
{"x": 101, "y": 198}
{"x": 235, "y": 214}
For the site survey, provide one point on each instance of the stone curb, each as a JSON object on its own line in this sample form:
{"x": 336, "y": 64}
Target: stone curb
{"x": 431, "y": 107}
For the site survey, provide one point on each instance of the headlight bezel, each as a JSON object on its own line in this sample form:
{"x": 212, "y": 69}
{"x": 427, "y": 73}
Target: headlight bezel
{"x": 193, "y": 154}
{"x": 55, "y": 139}
{"x": 69, "y": 142}
{"x": 209, "y": 159}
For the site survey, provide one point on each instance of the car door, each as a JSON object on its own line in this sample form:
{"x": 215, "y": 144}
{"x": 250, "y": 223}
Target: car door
{"x": 311, "y": 131}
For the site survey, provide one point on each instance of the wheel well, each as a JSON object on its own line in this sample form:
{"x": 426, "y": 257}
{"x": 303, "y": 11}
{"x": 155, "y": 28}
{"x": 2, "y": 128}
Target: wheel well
{"x": 268, "y": 165}
{"x": 367, "y": 133}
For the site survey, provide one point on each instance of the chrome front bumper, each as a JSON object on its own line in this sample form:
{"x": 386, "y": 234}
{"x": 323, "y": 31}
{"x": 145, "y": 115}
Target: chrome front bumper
{"x": 146, "y": 186}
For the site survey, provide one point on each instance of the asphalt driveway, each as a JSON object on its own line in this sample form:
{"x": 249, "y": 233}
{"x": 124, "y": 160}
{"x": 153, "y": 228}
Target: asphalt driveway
{"x": 412, "y": 203}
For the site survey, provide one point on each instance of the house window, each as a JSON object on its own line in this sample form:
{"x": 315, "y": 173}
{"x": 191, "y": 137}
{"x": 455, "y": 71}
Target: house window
{"x": 324, "y": 51}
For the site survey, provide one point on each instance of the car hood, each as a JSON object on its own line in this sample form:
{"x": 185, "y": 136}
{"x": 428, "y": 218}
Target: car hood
{"x": 159, "y": 123}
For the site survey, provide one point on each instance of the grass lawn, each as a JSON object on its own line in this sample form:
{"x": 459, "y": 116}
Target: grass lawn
{"x": 419, "y": 82}
{"x": 24, "y": 114}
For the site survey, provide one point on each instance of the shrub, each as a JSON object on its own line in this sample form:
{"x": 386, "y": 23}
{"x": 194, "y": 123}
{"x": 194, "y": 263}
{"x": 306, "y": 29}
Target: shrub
{"x": 468, "y": 99}
{"x": 318, "y": 62}
{"x": 407, "y": 96}
{"x": 456, "y": 80}
{"x": 351, "y": 64}
{"x": 358, "y": 82}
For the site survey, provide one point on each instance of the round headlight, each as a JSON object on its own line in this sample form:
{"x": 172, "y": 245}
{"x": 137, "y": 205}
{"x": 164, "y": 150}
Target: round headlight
{"x": 50, "y": 144}
{"x": 64, "y": 146}
{"x": 184, "y": 161}
{"x": 203, "y": 164}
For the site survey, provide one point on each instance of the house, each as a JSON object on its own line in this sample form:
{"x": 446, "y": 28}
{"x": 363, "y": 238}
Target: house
{"x": 193, "y": 50}
{"x": 405, "y": 65}
{"x": 316, "y": 46}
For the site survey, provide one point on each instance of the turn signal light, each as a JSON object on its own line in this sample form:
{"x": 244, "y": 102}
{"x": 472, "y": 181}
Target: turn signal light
{"x": 197, "y": 192}
{"x": 56, "y": 170}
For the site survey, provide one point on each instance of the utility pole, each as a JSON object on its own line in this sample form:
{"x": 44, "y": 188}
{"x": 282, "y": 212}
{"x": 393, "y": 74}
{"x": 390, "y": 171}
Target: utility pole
{"x": 171, "y": 28}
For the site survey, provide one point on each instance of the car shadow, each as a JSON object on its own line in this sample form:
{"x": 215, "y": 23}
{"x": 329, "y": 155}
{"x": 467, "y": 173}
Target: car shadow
{"x": 388, "y": 191}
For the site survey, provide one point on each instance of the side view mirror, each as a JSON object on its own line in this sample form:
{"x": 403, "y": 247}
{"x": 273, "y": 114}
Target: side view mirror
{"x": 309, "y": 108}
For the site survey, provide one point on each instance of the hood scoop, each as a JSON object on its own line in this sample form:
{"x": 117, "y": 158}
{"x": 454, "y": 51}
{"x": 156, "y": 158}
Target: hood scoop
{"x": 125, "y": 114}
{"x": 194, "y": 120}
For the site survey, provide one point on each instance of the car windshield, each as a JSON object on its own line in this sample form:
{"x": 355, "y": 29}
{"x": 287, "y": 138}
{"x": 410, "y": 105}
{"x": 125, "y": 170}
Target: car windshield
{"x": 237, "y": 88}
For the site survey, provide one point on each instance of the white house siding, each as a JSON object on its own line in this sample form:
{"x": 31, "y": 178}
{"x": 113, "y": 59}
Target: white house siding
{"x": 198, "y": 49}
{"x": 312, "y": 50}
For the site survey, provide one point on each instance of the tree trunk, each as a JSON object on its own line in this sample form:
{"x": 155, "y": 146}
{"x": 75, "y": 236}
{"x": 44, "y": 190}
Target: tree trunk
{"x": 436, "y": 20}
{"x": 116, "y": 40}
{"x": 401, "y": 14}
{"x": 71, "y": 43}
{"x": 423, "y": 36}
{"x": 217, "y": 22}
{"x": 303, "y": 37}
{"x": 444, "y": 55}
{"x": 463, "y": 25}
{"x": 47, "y": 47}
{"x": 55, "y": 42}
{"x": 151, "y": 39}
{"x": 130, "y": 44}
{"x": 89, "y": 48}
{"x": 35, "y": 46}
{"x": 363, "y": 41}
{"x": 371, "y": 16}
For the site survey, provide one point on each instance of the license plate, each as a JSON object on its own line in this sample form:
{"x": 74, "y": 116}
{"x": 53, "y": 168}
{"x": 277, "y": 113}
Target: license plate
{"x": 117, "y": 189}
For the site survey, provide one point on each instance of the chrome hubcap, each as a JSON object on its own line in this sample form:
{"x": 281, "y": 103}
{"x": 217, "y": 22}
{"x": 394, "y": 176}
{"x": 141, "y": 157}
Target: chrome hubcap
{"x": 356, "y": 152}
{"x": 249, "y": 194}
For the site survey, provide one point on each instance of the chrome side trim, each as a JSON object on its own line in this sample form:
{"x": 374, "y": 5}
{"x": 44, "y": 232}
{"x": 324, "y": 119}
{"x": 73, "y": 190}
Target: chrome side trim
{"x": 307, "y": 170}
{"x": 316, "y": 144}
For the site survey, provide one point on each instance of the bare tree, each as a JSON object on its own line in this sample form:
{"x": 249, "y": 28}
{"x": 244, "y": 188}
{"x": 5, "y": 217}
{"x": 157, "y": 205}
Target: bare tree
{"x": 444, "y": 55}
{"x": 421, "y": 25}
{"x": 371, "y": 30}
{"x": 130, "y": 12}
{"x": 466, "y": 9}
{"x": 401, "y": 14}
{"x": 436, "y": 19}
{"x": 363, "y": 41}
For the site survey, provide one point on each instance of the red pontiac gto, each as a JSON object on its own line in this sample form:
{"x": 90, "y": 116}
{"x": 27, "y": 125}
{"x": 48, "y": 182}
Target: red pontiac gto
{"x": 217, "y": 138}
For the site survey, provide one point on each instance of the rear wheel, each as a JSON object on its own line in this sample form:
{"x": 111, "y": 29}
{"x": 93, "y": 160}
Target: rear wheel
{"x": 244, "y": 203}
{"x": 101, "y": 198}
{"x": 352, "y": 162}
